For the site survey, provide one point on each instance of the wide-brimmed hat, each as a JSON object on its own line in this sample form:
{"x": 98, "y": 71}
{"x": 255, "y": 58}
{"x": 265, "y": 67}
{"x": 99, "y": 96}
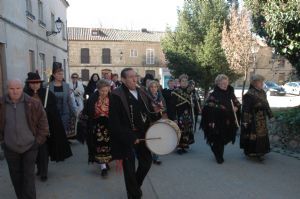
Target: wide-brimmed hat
{"x": 56, "y": 67}
{"x": 33, "y": 78}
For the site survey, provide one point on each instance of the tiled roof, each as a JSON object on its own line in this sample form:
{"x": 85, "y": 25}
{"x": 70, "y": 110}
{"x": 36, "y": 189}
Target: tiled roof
{"x": 102, "y": 34}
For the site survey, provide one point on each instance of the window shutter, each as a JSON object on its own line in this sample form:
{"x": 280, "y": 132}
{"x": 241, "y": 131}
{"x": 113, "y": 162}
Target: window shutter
{"x": 106, "y": 56}
{"x": 85, "y": 56}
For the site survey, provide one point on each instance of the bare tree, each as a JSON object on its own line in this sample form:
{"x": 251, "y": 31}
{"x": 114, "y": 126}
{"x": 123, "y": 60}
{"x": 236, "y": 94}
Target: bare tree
{"x": 237, "y": 42}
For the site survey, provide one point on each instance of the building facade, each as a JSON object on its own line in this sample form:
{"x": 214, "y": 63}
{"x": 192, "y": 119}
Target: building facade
{"x": 98, "y": 50}
{"x": 25, "y": 40}
{"x": 271, "y": 66}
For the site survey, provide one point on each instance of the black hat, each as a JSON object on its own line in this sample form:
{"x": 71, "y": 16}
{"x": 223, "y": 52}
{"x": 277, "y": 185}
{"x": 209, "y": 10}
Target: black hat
{"x": 33, "y": 78}
{"x": 56, "y": 67}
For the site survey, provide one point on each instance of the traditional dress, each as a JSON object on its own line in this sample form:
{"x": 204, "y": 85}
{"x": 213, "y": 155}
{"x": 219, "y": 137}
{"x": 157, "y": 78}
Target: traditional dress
{"x": 65, "y": 107}
{"x": 157, "y": 100}
{"x": 254, "y": 132}
{"x": 98, "y": 134}
{"x": 218, "y": 110}
{"x": 183, "y": 113}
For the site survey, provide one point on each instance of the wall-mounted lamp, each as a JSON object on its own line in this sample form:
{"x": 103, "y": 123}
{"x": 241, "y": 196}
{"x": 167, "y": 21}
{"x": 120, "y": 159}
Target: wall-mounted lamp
{"x": 121, "y": 55}
{"x": 58, "y": 25}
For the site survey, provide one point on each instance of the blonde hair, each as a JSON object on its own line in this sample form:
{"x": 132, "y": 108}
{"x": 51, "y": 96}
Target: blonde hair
{"x": 220, "y": 77}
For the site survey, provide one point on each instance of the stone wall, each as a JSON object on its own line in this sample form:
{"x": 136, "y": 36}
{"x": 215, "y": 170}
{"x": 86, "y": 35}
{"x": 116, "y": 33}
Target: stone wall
{"x": 120, "y": 56}
{"x": 284, "y": 136}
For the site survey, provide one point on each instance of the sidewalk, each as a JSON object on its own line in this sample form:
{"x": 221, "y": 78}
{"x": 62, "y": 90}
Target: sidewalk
{"x": 195, "y": 175}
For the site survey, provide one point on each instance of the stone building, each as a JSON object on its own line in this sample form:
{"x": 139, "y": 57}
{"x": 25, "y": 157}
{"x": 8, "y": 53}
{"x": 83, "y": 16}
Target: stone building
{"x": 272, "y": 66}
{"x": 268, "y": 64}
{"x": 26, "y": 39}
{"x": 99, "y": 50}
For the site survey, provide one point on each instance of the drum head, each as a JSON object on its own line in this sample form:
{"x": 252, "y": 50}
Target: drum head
{"x": 168, "y": 138}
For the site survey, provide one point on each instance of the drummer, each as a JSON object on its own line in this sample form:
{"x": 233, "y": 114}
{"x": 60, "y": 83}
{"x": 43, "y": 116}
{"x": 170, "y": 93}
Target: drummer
{"x": 129, "y": 118}
{"x": 158, "y": 100}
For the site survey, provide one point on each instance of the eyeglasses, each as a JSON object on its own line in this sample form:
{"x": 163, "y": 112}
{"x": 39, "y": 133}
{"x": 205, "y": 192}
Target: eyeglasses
{"x": 74, "y": 77}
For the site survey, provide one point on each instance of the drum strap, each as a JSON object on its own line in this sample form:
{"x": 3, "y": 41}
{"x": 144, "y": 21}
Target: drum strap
{"x": 181, "y": 97}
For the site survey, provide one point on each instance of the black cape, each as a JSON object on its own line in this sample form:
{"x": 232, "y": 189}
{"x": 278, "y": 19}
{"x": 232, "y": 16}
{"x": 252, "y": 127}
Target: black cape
{"x": 59, "y": 148}
{"x": 218, "y": 109}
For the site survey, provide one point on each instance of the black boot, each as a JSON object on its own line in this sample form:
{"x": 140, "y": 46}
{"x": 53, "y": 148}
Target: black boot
{"x": 218, "y": 154}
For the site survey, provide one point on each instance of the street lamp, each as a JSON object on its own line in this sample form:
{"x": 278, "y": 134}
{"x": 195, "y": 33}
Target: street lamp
{"x": 58, "y": 25}
{"x": 121, "y": 55}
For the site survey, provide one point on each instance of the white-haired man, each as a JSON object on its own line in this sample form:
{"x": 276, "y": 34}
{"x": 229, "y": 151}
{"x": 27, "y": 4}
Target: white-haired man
{"x": 23, "y": 127}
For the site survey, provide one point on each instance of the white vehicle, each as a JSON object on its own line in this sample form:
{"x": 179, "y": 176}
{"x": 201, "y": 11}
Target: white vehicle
{"x": 292, "y": 88}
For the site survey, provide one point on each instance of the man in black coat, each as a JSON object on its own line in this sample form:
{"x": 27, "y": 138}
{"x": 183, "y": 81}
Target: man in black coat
{"x": 129, "y": 118}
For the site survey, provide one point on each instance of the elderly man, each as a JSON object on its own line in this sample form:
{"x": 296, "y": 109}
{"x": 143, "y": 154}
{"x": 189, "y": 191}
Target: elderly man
{"x": 23, "y": 127}
{"x": 130, "y": 114}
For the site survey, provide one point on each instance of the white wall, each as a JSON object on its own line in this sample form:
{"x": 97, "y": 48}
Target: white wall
{"x": 19, "y": 42}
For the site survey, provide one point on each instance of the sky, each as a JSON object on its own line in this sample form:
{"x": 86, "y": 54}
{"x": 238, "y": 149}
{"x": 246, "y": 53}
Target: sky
{"x": 153, "y": 15}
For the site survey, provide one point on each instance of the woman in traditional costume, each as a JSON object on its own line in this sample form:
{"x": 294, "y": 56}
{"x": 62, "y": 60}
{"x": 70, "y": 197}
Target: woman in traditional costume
{"x": 64, "y": 102}
{"x": 183, "y": 113}
{"x": 255, "y": 112}
{"x": 220, "y": 117}
{"x": 98, "y": 138}
{"x": 56, "y": 146}
{"x": 157, "y": 101}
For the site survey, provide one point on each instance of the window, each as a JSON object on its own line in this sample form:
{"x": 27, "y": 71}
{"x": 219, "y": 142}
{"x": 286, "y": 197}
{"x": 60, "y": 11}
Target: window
{"x": 52, "y": 22}
{"x": 106, "y": 58}
{"x": 42, "y": 68}
{"x": 133, "y": 53}
{"x": 150, "y": 56}
{"x": 41, "y": 13}
{"x": 85, "y": 73}
{"x": 28, "y": 6}
{"x": 31, "y": 60}
{"x": 98, "y": 33}
{"x": 29, "y": 10}
{"x": 152, "y": 72}
{"x": 85, "y": 55}
{"x": 95, "y": 33}
{"x": 54, "y": 59}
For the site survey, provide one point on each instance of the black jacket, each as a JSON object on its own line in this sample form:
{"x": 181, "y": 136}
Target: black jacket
{"x": 122, "y": 135}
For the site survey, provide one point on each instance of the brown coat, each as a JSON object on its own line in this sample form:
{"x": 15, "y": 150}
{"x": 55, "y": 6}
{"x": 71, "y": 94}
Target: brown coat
{"x": 36, "y": 118}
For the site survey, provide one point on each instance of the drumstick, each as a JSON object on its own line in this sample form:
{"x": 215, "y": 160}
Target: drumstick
{"x": 154, "y": 138}
{"x": 235, "y": 117}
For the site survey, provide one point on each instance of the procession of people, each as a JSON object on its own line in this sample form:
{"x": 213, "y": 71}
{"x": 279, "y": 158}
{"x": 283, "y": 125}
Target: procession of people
{"x": 117, "y": 115}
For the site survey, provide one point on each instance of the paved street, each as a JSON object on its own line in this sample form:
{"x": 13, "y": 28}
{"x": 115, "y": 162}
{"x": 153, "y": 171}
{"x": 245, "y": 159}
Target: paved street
{"x": 193, "y": 176}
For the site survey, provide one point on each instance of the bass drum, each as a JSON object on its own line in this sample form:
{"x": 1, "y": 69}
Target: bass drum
{"x": 162, "y": 137}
